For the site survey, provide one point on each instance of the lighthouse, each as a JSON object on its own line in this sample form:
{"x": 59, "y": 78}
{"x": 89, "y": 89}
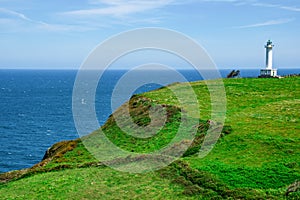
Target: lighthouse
{"x": 268, "y": 71}
{"x": 269, "y": 54}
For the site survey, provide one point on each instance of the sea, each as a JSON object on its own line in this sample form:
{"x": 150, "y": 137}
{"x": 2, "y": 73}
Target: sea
{"x": 36, "y": 109}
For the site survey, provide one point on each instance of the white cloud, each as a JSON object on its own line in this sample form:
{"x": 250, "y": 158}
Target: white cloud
{"x": 225, "y": 1}
{"x": 13, "y": 21}
{"x": 257, "y": 3}
{"x": 234, "y": 2}
{"x": 267, "y": 23}
{"x": 296, "y": 9}
{"x": 125, "y": 13}
{"x": 15, "y": 14}
{"x": 289, "y": 8}
{"x": 20, "y": 22}
{"x": 119, "y": 8}
{"x": 20, "y": 16}
{"x": 265, "y": 5}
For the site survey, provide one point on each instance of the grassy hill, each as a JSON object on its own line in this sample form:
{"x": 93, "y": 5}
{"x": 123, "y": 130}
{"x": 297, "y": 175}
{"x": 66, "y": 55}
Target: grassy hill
{"x": 257, "y": 157}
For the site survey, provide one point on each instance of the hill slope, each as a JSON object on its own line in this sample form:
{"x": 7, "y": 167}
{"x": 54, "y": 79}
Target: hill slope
{"x": 258, "y": 157}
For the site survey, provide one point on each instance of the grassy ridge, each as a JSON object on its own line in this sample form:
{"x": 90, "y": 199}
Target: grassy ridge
{"x": 257, "y": 160}
{"x": 263, "y": 151}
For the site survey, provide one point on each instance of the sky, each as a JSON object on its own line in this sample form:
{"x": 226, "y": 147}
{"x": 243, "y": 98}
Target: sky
{"x": 60, "y": 34}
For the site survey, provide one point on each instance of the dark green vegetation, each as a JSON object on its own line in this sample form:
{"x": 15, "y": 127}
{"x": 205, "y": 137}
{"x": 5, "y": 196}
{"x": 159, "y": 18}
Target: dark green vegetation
{"x": 257, "y": 157}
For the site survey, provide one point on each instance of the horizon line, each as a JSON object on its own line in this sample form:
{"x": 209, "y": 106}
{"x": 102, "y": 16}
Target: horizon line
{"x": 77, "y": 69}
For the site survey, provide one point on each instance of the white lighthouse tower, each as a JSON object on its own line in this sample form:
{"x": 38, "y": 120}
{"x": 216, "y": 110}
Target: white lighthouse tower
{"x": 269, "y": 71}
{"x": 269, "y": 55}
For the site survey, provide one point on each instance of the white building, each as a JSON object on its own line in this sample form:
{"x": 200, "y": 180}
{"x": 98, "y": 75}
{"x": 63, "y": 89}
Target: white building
{"x": 269, "y": 71}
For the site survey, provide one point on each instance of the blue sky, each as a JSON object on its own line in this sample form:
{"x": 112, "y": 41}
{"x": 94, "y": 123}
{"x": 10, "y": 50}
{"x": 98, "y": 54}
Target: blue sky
{"x": 61, "y": 33}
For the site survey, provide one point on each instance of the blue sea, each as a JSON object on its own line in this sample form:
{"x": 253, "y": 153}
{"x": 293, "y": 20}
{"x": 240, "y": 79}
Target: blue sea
{"x": 36, "y": 110}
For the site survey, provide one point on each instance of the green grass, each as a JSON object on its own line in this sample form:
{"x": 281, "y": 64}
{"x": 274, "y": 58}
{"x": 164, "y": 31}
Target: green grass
{"x": 91, "y": 183}
{"x": 263, "y": 150}
{"x": 139, "y": 107}
{"x": 258, "y": 159}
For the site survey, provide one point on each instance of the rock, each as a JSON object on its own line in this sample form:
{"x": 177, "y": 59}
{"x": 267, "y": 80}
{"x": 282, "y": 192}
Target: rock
{"x": 60, "y": 148}
{"x": 293, "y": 188}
